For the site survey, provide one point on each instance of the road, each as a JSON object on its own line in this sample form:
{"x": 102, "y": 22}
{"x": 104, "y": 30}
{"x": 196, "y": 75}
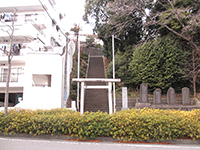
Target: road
{"x": 30, "y": 144}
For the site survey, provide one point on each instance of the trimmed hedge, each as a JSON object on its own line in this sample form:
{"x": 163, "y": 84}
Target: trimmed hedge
{"x": 133, "y": 124}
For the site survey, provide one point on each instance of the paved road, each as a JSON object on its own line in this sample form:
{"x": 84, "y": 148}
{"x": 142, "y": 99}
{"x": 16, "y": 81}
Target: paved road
{"x": 30, "y": 144}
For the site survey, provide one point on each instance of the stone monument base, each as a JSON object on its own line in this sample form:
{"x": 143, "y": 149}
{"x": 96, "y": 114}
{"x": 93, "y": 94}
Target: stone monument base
{"x": 124, "y": 108}
{"x": 142, "y": 105}
{"x": 167, "y": 106}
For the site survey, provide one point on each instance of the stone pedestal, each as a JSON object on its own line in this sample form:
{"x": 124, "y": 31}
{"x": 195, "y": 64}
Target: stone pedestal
{"x": 73, "y": 105}
{"x": 142, "y": 105}
{"x": 124, "y": 98}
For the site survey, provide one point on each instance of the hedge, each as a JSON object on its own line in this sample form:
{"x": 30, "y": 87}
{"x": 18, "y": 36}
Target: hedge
{"x": 133, "y": 124}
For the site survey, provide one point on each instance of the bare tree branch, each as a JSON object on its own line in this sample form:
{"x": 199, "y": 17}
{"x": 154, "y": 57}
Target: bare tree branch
{"x": 138, "y": 8}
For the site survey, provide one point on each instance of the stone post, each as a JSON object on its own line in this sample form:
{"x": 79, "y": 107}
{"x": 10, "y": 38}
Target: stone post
{"x": 143, "y": 93}
{"x": 143, "y": 101}
{"x": 186, "y": 96}
{"x": 157, "y": 96}
{"x": 124, "y": 98}
{"x": 73, "y": 105}
{"x": 171, "y": 96}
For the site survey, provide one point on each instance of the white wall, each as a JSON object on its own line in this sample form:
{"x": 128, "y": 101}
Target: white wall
{"x": 43, "y": 97}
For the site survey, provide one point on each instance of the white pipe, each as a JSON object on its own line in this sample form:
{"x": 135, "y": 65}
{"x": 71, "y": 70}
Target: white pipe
{"x": 97, "y": 87}
{"x": 110, "y": 97}
{"x": 113, "y": 49}
{"x": 82, "y": 97}
{"x": 95, "y": 80}
{"x": 78, "y": 74}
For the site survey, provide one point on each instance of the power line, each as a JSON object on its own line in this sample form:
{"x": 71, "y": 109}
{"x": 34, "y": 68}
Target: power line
{"x": 53, "y": 21}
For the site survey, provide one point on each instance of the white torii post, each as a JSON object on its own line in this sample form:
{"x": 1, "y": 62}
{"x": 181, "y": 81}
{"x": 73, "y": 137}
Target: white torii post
{"x": 82, "y": 97}
{"x": 113, "y": 49}
{"x": 78, "y": 73}
{"x": 110, "y": 97}
{"x": 109, "y": 87}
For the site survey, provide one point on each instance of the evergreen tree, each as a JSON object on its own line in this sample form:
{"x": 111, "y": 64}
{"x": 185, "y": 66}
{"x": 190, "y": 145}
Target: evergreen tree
{"x": 122, "y": 61}
{"x": 158, "y": 63}
{"x": 129, "y": 35}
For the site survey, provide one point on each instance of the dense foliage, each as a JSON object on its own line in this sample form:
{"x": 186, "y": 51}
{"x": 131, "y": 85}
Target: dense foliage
{"x": 158, "y": 63}
{"x": 83, "y": 70}
{"x": 127, "y": 36}
{"x": 146, "y": 22}
{"x": 131, "y": 124}
{"x": 90, "y": 41}
{"x": 122, "y": 63}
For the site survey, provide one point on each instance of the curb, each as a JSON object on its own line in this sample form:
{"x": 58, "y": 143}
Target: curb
{"x": 103, "y": 139}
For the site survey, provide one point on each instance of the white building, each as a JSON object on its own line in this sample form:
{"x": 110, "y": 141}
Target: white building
{"x": 41, "y": 64}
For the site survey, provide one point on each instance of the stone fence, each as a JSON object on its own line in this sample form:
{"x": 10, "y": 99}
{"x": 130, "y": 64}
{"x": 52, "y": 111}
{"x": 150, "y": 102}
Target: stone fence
{"x": 171, "y": 102}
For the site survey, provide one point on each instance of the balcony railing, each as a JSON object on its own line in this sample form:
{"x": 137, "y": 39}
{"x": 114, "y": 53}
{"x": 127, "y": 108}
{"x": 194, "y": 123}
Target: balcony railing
{"x": 14, "y": 77}
{"x": 21, "y": 19}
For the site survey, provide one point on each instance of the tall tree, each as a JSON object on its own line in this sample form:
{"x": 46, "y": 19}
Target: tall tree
{"x": 193, "y": 69}
{"x": 98, "y": 10}
{"x": 10, "y": 32}
{"x": 122, "y": 62}
{"x": 95, "y": 11}
{"x": 177, "y": 16}
{"x": 76, "y": 29}
{"x": 159, "y": 64}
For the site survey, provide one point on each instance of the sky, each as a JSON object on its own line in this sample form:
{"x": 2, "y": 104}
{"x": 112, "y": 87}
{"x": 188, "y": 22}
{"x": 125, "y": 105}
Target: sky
{"x": 74, "y": 10}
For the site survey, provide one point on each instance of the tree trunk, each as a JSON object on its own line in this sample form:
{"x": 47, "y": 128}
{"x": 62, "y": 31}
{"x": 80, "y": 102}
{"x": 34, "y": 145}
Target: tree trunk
{"x": 6, "y": 101}
{"x": 194, "y": 72}
{"x": 194, "y": 86}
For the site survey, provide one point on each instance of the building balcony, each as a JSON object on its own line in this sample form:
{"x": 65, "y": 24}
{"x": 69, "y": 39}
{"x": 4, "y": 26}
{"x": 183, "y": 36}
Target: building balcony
{"x": 14, "y": 77}
{"x": 21, "y": 6}
{"x": 16, "y": 83}
{"x": 17, "y": 60}
{"x": 22, "y": 34}
{"x": 20, "y": 19}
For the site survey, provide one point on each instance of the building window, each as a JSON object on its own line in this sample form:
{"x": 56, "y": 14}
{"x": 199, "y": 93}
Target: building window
{"x": 41, "y": 80}
{"x": 3, "y": 74}
{"x": 14, "y": 75}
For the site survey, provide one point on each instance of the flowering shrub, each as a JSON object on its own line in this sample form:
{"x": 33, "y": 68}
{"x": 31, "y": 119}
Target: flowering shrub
{"x": 133, "y": 124}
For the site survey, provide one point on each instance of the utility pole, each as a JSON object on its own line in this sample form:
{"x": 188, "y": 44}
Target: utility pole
{"x": 76, "y": 29}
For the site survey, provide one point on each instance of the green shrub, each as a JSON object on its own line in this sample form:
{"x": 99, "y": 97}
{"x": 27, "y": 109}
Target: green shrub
{"x": 133, "y": 124}
{"x": 157, "y": 124}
